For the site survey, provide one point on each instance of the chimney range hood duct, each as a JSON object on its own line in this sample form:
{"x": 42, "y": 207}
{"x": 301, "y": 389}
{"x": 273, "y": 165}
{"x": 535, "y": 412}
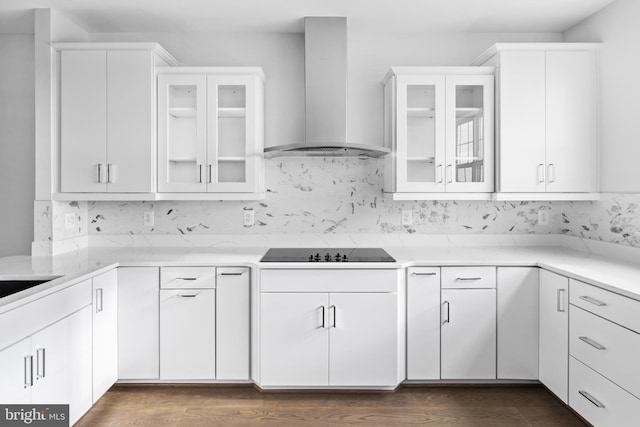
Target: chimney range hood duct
{"x": 325, "y": 66}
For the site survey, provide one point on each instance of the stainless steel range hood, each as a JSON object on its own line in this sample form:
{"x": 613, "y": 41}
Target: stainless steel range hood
{"x": 325, "y": 66}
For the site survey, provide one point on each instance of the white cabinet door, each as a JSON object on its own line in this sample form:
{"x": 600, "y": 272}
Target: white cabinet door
{"x": 521, "y": 139}
{"x": 138, "y": 323}
{"x": 518, "y": 293}
{"x": 420, "y": 128}
{"x": 363, "y": 337}
{"x": 423, "y": 323}
{"x": 130, "y": 124}
{"x": 554, "y": 333}
{"x": 571, "y": 121}
{"x": 80, "y": 364}
{"x": 468, "y": 341}
{"x": 83, "y": 126}
{"x": 105, "y": 332}
{"x": 187, "y": 334}
{"x": 50, "y": 348}
{"x": 294, "y": 339}
{"x": 182, "y": 133}
{"x": 232, "y": 323}
{"x": 16, "y": 371}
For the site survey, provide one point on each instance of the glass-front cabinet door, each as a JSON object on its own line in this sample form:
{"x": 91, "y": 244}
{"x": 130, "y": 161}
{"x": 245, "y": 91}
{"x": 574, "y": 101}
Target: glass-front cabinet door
{"x": 182, "y": 133}
{"x": 469, "y": 133}
{"x": 420, "y": 148}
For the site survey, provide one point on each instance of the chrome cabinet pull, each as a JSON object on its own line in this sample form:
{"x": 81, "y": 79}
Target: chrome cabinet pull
{"x": 591, "y": 399}
{"x": 448, "y": 319}
{"x": 592, "y": 343}
{"x": 323, "y": 323}
{"x": 109, "y": 173}
{"x": 231, "y": 274}
{"x": 560, "y": 303}
{"x": 541, "y": 173}
{"x": 186, "y": 278}
{"x": 551, "y": 172}
{"x": 439, "y": 168}
{"x": 333, "y": 307}
{"x": 99, "y": 173}
{"x": 99, "y": 300}
{"x": 210, "y": 175}
{"x": 40, "y": 361}
{"x": 593, "y": 301}
{"x": 449, "y": 174}
{"x": 28, "y": 371}
{"x": 186, "y": 295}
{"x": 423, "y": 274}
{"x": 200, "y": 174}
{"x": 468, "y": 278}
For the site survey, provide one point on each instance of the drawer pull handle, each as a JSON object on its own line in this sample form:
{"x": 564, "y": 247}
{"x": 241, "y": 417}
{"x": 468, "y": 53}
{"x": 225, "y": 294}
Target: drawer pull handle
{"x": 186, "y": 278}
{"x": 423, "y": 274}
{"x": 593, "y": 301}
{"x": 187, "y": 295}
{"x": 468, "y": 278}
{"x": 592, "y": 343}
{"x": 591, "y": 399}
{"x": 231, "y": 274}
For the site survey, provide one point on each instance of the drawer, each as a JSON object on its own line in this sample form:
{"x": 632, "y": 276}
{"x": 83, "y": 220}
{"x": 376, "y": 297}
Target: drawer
{"x": 617, "y": 308}
{"x": 326, "y": 280}
{"x": 609, "y": 349}
{"x": 598, "y": 400}
{"x": 468, "y": 277}
{"x": 187, "y": 278}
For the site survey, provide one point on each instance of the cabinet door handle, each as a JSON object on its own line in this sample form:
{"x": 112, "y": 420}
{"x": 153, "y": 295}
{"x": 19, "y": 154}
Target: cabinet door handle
{"x": 210, "y": 180}
{"x": 551, "y": 172}
{"x": 439, "y": 172}
{"x": 28, "y": 371}
{"x": 560, "y": 303}
{"x": 199, "y": 173}
{"x": 592, "y": 343}
{"x": 541, "y": 173}
{"x": 447, "y": 319}
{"x": 109, "y": 175}
{"x": 99, "y": 169}
{"x": 99, "y": 300}
{"x": 591, "y": 399}
{"x": 40, "y": 361}
{"x": 333, "y": 307}
{"x": 593, "y": 301}
{"x": 323, "y": 315}
{"x": 449, "y": 174}
{"x": 468, "y": 278}
{"x": 423, "y": 274}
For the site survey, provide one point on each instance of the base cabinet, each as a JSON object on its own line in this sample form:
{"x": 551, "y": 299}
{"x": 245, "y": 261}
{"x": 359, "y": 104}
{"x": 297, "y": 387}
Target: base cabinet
{"x": 554, "y": 333}
{"x": 105, "y": 332}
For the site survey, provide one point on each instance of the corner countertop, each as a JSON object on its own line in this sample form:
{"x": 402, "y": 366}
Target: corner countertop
{"x": 73, "y": 267}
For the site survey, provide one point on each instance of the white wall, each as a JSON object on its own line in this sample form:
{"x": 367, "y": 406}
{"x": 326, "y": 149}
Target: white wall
{"x": 17, "y": 148}
{"x": 618, "y": 28}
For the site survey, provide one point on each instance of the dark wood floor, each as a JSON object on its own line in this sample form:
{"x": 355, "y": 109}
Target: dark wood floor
{"x": 183, "y": 406}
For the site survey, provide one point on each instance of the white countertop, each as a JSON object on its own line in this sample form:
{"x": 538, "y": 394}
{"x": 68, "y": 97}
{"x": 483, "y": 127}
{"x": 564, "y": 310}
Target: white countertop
{"x": 73, "y": 267}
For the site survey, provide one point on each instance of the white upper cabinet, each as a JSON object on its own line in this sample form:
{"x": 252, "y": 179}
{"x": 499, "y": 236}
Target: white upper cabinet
{"x": 547, "y": 120}
{"x": 439, "y": 126}
{"x": 211, "y": 133}
{"x": 107, "y": 118}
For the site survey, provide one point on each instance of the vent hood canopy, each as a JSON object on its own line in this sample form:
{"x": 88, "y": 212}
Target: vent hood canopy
{"x": 325, "y": 66}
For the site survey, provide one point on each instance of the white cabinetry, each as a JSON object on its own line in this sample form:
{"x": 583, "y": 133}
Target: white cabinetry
{"x": 138, "y": 323}
{"x": 187, "y": 324}
{"x": 423, "y": 323}
{"x": 547, "y": 119}
{"x": 554, "y": 333}
{"x": 439, "y": 126}
{"x": 331, "y": 331}
{"x": 468, "y": 335}
{"x": 518, "y": 311}
{"x": 105, "y": 332}
{"x": 211, "y": 133}
{"x": 107, "y": 117}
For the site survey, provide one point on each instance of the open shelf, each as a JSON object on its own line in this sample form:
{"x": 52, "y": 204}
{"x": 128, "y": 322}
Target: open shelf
{"x": 421, "y": 159}
{"x": 179, "y": 112}
{"x": 421, "y": 112}
{"x": 468, "y": 112}
{"x": 182, "y": 159}
{"x": 231, "y": 112}
{"x": 232, "y": 159}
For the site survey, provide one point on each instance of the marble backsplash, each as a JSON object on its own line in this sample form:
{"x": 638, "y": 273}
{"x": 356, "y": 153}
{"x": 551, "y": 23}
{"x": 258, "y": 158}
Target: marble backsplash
{"x": 322, "y": 195}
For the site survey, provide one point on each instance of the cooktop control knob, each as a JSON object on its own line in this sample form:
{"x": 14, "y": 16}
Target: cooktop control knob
{"x": 310, "y": 258}
{"x": 338, "y": 257}
{"x": 344, "y": 258}
{"x": 327, "y": 257}
{"x": 317, "y": 258}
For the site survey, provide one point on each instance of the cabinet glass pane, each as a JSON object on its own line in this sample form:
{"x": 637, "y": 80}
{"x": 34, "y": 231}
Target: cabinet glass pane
{"x": 182, "y": 134}
{"x": 232, "y": 138}
{"x": 421, "y": 136}
{"x": 469, "y": 134}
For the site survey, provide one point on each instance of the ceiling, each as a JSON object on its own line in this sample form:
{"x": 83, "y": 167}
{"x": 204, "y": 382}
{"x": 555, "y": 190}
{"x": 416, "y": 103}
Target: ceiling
{"x": 399, "y": 16}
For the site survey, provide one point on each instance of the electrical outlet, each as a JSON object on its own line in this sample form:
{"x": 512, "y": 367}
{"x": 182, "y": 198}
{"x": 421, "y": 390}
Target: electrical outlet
{"x": 148, "y": 218}
{"x": 69, "y": 221}
{"x": 248, "y": 217}
{"x": 407, "y": 217}
{"x": 543, "y": 217}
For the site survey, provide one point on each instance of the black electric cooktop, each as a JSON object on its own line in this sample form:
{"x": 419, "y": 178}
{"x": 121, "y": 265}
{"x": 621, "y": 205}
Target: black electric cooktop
{"x": 327, "y": 255}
